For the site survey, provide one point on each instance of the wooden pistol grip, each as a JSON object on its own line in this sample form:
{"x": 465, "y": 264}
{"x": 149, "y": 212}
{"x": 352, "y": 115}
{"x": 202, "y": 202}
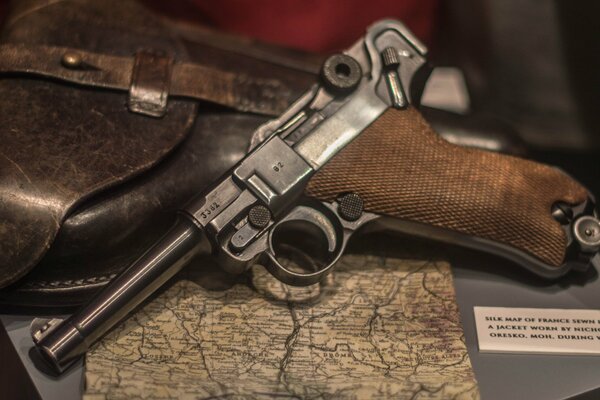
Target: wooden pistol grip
{"x": 402, "y": 168}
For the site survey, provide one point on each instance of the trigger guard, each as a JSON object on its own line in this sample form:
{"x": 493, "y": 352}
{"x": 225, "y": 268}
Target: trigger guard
{"x": 336, "y": 241}
{"x": 293, "y": 278}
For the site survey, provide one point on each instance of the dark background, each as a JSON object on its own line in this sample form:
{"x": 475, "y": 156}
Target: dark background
{"x": 531, "y": 65}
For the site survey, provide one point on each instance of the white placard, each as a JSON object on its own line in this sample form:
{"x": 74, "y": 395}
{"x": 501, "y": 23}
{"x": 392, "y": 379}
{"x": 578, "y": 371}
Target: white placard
{"x": 537, "y": 330}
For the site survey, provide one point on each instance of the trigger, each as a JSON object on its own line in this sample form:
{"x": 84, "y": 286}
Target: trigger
{"x": 329, "y": 232}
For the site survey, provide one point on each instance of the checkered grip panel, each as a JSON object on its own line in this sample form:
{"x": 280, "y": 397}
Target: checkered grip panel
{"x": 402, "y": 168}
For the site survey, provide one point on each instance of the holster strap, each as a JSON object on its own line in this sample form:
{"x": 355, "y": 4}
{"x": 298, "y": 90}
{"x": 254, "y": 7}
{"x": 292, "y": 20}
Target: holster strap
{"x": 149, "y": 78}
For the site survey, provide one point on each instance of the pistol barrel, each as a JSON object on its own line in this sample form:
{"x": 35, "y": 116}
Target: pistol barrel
{"x": 63, "y": 343}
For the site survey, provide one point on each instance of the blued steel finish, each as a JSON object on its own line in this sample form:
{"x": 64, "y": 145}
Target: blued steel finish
{"x": 63, "y": 343}
{"x": 391, "y": 62}
{"x": 587, "y": 232}
{"x": 341, "y": 73}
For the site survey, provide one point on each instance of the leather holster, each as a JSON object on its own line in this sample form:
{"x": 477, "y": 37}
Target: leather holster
{"x": 111, "y": 119}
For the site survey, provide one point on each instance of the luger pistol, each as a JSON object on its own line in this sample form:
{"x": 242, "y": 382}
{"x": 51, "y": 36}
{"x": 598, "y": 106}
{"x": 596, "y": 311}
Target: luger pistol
{"x": 352, "y": 153}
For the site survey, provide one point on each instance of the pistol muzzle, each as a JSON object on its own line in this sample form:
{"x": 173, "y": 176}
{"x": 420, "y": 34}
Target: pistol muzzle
{"x": 61, "y": 342}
